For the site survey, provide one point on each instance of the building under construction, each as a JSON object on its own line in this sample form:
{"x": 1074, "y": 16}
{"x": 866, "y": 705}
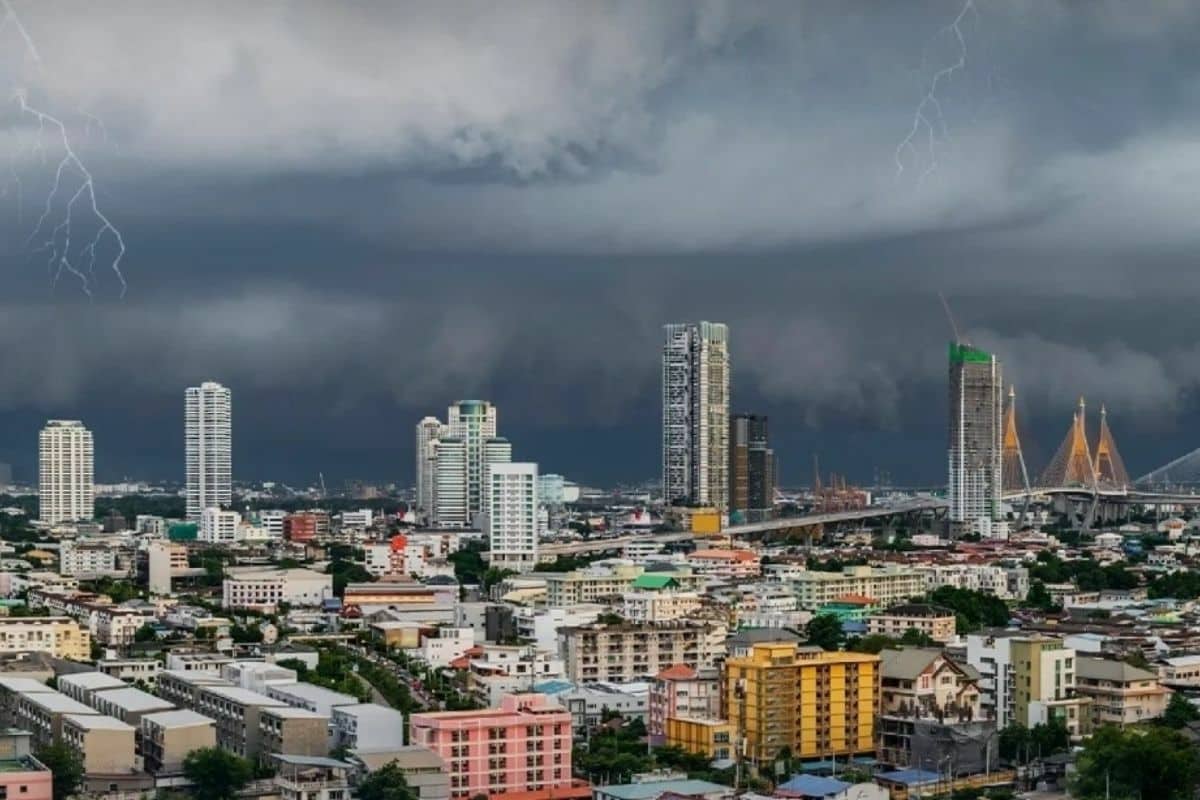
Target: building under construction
{"x": 975, "y": 446}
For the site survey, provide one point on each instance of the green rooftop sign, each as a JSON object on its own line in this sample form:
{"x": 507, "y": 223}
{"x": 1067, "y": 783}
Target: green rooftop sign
{"x": 964, "y": 353}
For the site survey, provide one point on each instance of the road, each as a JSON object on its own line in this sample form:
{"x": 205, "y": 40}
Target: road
{"x": 420, "y": 695}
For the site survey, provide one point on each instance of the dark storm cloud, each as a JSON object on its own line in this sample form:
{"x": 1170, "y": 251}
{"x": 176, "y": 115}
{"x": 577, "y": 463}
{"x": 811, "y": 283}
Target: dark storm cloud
{"x": 371, "y": 210}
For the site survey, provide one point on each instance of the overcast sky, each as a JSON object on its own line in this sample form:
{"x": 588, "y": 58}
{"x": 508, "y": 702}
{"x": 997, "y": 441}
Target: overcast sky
{"x": 354, "y": 214}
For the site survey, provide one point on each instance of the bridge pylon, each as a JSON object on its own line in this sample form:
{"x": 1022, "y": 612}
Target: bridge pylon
{"x": 1072, "y": 464}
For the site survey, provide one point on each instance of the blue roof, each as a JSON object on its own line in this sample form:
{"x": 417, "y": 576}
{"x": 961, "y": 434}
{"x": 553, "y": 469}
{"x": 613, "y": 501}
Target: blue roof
{"x": 909, "y": 776}
{"x": 814, "y": 786}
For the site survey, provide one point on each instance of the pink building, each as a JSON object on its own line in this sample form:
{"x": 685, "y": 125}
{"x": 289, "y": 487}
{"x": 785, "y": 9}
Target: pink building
{"x": 21, "y": 775}
{"x": 680, "y": 691}
{"x": 519, "y": 751}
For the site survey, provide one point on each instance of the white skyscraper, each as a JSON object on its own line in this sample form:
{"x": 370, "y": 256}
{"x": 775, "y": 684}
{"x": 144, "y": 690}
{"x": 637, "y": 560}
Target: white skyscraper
{"x": 474, "y": 422}
{"x": 976, "y": 451}
{"x": 209, "y": 446}
{"x": 695, "y": 407}
{"x": 66, "y": 479}
{"x": 450, "y": 483}
{"x": 495, "y": 451}
{"x": 512, "y": 520}
{"x": 429, "y": 430}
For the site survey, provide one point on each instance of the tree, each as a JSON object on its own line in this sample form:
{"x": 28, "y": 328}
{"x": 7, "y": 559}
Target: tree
{"x": 917, "y": 638}
{"x": 1153, "y": 762}
{"x": 825, "y": 631}
{"x": 1039, "y": 597}
{"x": 1180, "y": 711}
{"x": 386, "y": 783}
{"x": 872, "y": 643}
{"x": 146, "y": 633}
{"x": 67, "y": 767}
{"x": 1014, "y": 740}
{"x": 974, "y": 610}
{"x": 216, "y": 774}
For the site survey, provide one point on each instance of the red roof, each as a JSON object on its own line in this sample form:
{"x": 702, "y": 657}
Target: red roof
{"x": 678, "y": 672}
{"x": 856, "y": 599}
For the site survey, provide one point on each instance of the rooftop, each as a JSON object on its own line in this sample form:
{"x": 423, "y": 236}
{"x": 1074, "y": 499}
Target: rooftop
{"x": 180, "y": 718}
{"x": 652, "y": 789}
{"x": 131, "y": 699}
{"x": 813, "y": 786}
{"x": 97, "y": 722}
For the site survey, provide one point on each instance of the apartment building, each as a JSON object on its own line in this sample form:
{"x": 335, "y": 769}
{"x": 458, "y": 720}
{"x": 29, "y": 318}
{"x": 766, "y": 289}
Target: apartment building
{"x": 596, "y": 581}
{"x": 510, "y": 669}
{"x": 315, "y": 698}
{"x": 886, "y": 585}
{"x": 540, "y": 626}
{"x": 264, "y": 589}
{"x": 367, "y": 725}
{"x": 626, "y": 651}
{"x": 524, "y": 746}
{"x": 726, "y": 565}
{"x": 88, "y": 560}
{"x": 817, "y": 704}
{"x": 42, "y": 713}
{"x": 935, "y": 622}
{"x": 81, "y": 686}
{"x": 1121, "y": 693}
{"x": 165, "y": 561}
{"x": 1027, "y": 680}
{"x": 659, "y": 606}
{"x": 183, "y": 687}
{"x": 286, "y": 729}
{"x": 237, "y": 713}
{"x": 709, "y": 737}
{"x": 168, "y": 736}
{"x": 682, "y": 691}
{"x": 59, "y": 637}
{"x": 116, "y": 626}
{"x": 105, "y": 745}
{"x": 130, "y": 670}
{"x": 128, "y": 704}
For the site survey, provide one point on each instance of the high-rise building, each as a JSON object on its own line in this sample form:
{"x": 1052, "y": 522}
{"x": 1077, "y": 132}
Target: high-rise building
{"x": 429, "y": 430}
{"x": 66, "y": 479}
{"x": 450, "y": 483}
{"x": 815, "y": 704}
{"x": 209, "y": 448}
{"x": 695, "y": 409}
{"x": 976, "y": 454}
{"x": 512, "y": 504}
{"x": 751, "y": 468}
{"x": 495, "y": 451}
{"x": 474, "y": 422}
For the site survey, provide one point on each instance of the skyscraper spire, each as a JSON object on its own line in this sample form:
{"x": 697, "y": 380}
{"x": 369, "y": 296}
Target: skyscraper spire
{"x": 1013, "y": 471}
{"x": 1110, "y": 468}
{"x": 1072, "y": 464}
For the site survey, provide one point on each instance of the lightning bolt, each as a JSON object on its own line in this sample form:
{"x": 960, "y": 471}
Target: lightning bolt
{"x": 928, "y": 118}
{"x": 55, "y": 229}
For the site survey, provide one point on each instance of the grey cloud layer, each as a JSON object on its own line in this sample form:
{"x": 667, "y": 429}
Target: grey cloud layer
{"x": 733, "y": 160}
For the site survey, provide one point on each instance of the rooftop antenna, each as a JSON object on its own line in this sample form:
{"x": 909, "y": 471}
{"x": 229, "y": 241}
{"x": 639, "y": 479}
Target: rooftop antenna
{"x": 958, "y": 339}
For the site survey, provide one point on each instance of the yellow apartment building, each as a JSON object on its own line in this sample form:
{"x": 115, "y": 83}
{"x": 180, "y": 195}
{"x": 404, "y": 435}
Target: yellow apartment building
{"x": 816, "y": 704}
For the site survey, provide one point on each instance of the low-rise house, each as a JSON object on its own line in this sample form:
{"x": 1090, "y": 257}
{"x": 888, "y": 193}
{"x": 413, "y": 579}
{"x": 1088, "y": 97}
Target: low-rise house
{"x": 1121, "y": 693}
{"x": 936, "y": 622}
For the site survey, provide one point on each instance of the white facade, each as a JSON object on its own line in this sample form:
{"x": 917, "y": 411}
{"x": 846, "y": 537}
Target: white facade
{"x": 271, "y": 521}
{"x": 219, "y": 527}
{"x": 429, "y": 430}
{"x": 695, "y": 414}
{"x": 209, "y": 447}
{"x": 473, "y": 422}
{"x": 86, "y": 559}
{"x": 449, "y": 644}
{"x": 362, "y": 518}
{"x": 512, "y": 527}
{"x": 540, "y": 625}
{"x": 367, "y": 725}
{"x": 66, "y": 479}
{"x": 450, "y": 483}
{"x": 658, "y": 606}
{"x": 495, "y": 451}
{"x": 267, "y": 588}
{"x": 164, "y": 561}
